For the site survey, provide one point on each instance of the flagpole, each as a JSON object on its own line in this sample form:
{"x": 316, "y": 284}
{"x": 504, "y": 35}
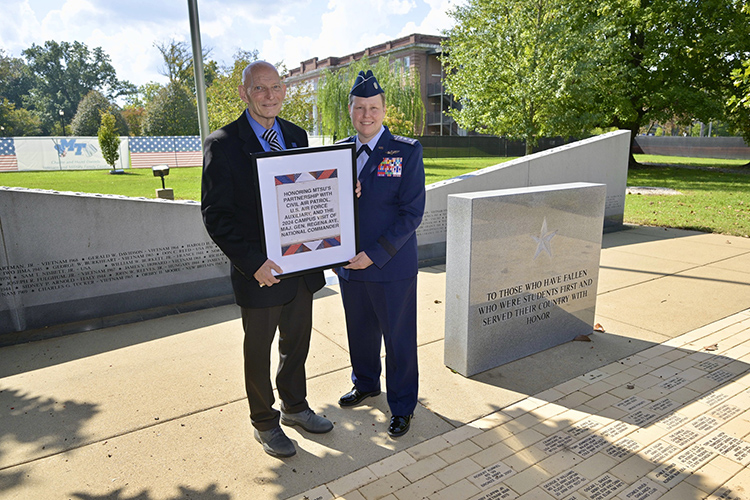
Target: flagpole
{"x": 200, "y": 81}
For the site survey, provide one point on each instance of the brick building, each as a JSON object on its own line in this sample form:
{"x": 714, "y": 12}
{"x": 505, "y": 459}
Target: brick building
{"x": 418, "y": 52}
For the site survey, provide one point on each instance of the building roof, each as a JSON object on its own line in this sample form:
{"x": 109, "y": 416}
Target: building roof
{"x": 314, "y": 66}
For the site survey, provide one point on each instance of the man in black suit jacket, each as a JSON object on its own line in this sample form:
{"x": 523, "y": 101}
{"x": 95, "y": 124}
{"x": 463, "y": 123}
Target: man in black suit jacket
{"x": 230, "y": 213}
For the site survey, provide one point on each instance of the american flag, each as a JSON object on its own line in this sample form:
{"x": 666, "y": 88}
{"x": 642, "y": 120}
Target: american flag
{"x": 175, "y": 151}
{"x": 8, "y": 159}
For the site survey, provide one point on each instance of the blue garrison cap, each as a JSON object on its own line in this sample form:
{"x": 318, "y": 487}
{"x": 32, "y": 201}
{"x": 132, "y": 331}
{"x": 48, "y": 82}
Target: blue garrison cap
{"x": 366, "y": 85}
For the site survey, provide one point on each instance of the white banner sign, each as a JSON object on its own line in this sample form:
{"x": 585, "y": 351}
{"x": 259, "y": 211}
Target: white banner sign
{"x": 65, "y": 153}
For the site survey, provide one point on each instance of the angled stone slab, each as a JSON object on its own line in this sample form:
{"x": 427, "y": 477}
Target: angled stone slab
{"x": 602, "y": 159}
{"x": 521, "y": 271}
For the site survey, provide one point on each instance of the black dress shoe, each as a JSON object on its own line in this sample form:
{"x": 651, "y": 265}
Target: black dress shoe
{"x": 354, "y": 397}
{"x": 399, "y": 425}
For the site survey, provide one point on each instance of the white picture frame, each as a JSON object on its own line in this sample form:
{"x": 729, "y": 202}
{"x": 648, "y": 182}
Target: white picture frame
{"x": 308, "y": 207}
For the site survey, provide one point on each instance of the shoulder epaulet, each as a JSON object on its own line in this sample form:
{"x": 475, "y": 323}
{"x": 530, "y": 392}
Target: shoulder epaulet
{"x": 345, "y": 139}
{"x": 407, "y": 140}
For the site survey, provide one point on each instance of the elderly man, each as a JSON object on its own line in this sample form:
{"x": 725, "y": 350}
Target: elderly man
{"x": 230, "y": 213}
{"x": 379, "y": 285}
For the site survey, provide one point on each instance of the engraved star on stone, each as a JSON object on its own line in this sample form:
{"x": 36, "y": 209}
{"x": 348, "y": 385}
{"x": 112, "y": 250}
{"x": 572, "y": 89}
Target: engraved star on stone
{"x": 543, "y": 242}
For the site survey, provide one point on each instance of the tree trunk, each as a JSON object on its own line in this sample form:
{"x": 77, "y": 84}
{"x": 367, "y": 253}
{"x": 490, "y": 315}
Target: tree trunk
{"x": 632, "y": 163}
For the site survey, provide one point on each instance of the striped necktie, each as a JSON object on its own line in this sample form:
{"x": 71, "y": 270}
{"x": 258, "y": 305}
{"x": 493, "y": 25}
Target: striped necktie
{"x": 272, "y": 139}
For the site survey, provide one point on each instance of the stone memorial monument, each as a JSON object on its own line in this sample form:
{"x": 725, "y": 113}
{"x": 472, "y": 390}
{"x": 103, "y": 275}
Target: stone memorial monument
{"x": 521, "y": 271}
{"x": 78, "y": 261}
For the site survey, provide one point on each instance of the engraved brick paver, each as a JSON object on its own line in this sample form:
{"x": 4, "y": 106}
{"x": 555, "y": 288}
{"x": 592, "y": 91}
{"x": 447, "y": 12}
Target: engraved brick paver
{"x": 603, "y": 487}
{"x": 490, "y": 477}
{"x": 644, "y": 489}
{"x": 564, "y": 484}
{"x": 497, "y": 493}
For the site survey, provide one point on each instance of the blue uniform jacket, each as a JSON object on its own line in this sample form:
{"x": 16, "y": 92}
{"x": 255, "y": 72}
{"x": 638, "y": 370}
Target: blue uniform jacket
{"x": 390, "y": 209}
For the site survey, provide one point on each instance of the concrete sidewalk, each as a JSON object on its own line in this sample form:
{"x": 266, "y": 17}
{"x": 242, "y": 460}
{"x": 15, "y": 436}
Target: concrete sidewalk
{"x": 156, "y": 410}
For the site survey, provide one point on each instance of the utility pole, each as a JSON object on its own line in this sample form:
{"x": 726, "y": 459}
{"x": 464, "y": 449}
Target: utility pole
{"x": 200, "y": 80}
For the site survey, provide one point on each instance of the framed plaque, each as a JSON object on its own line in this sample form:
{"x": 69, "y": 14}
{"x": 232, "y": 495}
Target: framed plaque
{"x": 308, "y": 207}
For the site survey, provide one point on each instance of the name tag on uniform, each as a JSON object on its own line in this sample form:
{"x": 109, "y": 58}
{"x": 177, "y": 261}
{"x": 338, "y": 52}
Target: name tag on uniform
{"x": 390, "y": 167}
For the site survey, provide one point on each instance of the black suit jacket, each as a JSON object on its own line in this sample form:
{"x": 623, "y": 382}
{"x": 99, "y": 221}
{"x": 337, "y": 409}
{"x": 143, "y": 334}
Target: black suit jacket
{"x": 229, "y": 204}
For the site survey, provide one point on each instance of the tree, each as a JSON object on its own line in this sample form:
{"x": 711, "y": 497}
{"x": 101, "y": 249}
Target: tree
{"x": 178, "y": 64}
{"x": 17, "y": 122}
{"x": 109, "y": 140}
{"x": 397, "y": 123}
{"x": 671, "y": 59}
{"x": 88, "y": 118}
{"x": 739, "y": 100}
{"x": 543, "y": 67}
{"x": 171, "y": 112}
{"x": 516, "y": 66}
{"x": 402, "y": 92}
{"x": 298, "y": 105}
{"x": 333, "y": 99}
{"x": 222, "y": 99}
{"x": 63, "y": 73}
{"x": 133, "y": 116}
{"x": 403, "y": 95}
{"x": 15, "y": 79}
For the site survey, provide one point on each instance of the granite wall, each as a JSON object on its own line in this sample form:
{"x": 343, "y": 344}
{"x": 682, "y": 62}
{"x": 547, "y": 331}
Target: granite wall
{"x": 79, "y": 258}
{"x": 602, "y": 159}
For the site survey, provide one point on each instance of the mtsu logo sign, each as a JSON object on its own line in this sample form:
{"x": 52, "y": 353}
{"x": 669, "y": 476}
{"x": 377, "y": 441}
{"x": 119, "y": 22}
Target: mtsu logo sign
{"x": 72, "y": 146}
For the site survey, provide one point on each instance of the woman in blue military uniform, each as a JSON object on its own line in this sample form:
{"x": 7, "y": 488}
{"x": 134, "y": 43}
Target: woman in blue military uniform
{"x": 379, "y": 285}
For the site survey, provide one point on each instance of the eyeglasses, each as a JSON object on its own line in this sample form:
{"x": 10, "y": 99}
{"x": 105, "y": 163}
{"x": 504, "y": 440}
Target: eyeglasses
{"x": 261, "y": 89}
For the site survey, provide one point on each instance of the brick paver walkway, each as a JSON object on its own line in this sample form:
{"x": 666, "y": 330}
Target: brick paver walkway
{"x": 671, "y": 422}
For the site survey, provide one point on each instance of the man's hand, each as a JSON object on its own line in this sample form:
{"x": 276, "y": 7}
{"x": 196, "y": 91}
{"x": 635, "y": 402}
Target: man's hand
{"x": 264, "y": 275}
{"x": 359, "y": 261}
{"x": 358, "y": 189}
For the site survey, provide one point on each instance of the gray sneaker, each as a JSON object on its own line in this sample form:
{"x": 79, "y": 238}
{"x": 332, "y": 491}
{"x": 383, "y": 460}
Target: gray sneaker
{"x": 275, "y": 443}
{"x": 308, "y": 420}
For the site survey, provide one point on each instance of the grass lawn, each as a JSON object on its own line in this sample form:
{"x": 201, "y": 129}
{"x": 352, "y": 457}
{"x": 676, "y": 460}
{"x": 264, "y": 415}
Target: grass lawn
{"x": 711, "y": 200}
{"x": 440, "y": 169}
{"x": 135, "y": 182}
{"x": 186, "y": 182}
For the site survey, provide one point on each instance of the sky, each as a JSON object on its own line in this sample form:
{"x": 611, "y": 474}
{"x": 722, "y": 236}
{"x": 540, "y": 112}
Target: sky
{"x": 281, "y": 30}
